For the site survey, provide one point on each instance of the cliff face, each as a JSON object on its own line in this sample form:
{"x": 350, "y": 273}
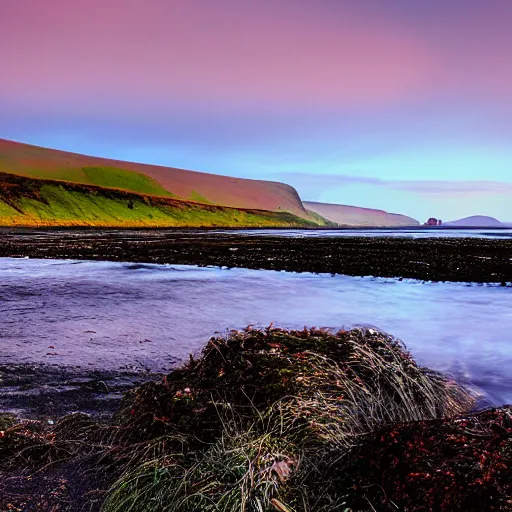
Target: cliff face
{"x": 37, "y": 162}
{"x": 354, "y": 216}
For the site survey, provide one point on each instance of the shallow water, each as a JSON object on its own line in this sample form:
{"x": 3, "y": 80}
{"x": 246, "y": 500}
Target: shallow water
{"x": 380, "y": 232}
{"x": 418, "y": 232}
{"x": 111, "y": 315}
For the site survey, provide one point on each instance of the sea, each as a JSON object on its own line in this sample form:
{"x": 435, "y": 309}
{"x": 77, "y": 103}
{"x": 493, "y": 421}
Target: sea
{"x": 111, "y": 315}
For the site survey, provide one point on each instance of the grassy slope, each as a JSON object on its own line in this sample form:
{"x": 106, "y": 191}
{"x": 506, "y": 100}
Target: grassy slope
{"x": 31, "y": 202}
{"x": 111, "y": 177}
{"x": 36, "y": 162}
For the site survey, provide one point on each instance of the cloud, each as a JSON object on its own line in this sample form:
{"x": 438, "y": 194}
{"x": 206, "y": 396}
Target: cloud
{"x": 316, "y": 183}
{"x": 420, "y": 199}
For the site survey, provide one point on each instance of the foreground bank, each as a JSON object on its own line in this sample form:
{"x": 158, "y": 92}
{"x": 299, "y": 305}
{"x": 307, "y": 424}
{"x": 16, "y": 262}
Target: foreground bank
{"x": 272, "y": 420}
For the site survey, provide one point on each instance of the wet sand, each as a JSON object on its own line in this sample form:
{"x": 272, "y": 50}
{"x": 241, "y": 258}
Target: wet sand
{"x": 37, "y": 391}
{"x": 428, "y": 259}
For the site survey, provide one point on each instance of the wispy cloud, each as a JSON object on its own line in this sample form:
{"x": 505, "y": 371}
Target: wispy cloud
{"x": 320, "y": 182}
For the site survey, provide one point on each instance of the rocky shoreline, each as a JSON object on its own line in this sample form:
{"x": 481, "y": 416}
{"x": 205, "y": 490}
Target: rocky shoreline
{"x": 429, "y": 259}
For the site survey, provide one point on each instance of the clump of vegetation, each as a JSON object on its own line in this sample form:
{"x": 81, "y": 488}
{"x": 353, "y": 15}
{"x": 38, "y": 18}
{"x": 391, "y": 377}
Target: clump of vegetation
{"x": 276, "y": 420}
{"x": 267, "y": 414}
{"x": 362, "y": 372}
{"x": 454, "y": 464}
{"x": 7, "y": 421}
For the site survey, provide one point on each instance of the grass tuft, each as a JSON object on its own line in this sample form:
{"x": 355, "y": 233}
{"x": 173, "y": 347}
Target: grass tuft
{"x": 272, "y": 412}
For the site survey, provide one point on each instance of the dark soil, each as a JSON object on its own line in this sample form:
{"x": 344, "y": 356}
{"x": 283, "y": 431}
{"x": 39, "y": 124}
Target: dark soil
{"x": 430, "y": 259}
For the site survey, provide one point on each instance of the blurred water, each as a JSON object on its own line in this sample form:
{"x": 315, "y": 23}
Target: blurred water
{"x": 113, "y": 315}
{"x": 379, "y": 232}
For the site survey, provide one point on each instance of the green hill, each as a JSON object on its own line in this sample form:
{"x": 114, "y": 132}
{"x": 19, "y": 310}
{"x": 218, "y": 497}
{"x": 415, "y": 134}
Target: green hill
{"x": 42, "y": 163}
{"x": 35, "y": 202}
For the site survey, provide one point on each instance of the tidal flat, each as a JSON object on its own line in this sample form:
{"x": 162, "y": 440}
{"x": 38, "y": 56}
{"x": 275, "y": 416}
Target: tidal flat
{"x": 438, "y": 258}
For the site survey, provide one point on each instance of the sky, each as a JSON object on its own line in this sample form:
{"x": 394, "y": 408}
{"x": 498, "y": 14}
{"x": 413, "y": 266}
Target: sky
{"x": 399, "y": 105}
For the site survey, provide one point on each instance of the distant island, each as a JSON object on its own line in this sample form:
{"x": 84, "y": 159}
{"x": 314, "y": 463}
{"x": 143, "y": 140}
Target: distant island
{"x": 356, "y": 216}
{"x": 42, "y": 187}
{"x": 476, "y": 221}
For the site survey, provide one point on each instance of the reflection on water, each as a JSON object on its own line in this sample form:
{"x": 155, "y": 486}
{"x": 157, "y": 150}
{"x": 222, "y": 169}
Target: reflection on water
{"x": 119, "y": 314}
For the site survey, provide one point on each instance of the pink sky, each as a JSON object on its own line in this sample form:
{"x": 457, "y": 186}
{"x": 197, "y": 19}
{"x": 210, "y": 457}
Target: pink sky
{"x": 393, "y": 90}
{"x": 284, "y": 53}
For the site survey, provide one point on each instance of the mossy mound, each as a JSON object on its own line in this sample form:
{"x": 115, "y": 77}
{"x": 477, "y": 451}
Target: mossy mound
{"x": 263, "y": 417}
{"x": 254, "y": 369}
